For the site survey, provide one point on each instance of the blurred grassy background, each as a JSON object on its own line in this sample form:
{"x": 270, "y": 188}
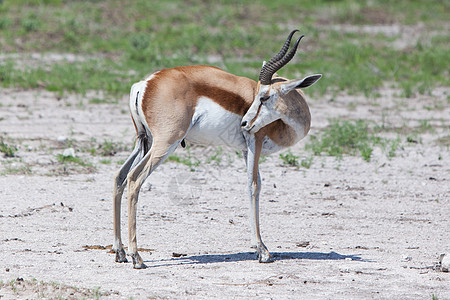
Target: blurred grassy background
{"x": 359, "y": 46}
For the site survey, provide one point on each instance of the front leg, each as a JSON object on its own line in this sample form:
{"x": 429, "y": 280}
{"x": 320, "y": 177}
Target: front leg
{"x": 254, "y": 146}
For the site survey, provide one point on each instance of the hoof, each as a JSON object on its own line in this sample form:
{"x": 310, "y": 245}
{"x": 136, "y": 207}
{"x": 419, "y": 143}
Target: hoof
{"x": 265, "y": 258}
{"x": 139, "y": 266}
{"x": 121, "y": 256}
{"x": 138, "y": 263}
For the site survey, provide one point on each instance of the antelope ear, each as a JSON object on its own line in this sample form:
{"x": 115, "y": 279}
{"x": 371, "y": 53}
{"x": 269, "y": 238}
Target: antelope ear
{"x": 290, "y": 85}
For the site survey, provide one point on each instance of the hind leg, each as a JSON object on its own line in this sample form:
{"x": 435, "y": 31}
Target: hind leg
{"x": 119, "y": 185}
{"x": 157, "y": 154}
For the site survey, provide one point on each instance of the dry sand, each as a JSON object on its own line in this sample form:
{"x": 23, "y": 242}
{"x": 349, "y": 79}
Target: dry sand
{"x": 342, "y": 229}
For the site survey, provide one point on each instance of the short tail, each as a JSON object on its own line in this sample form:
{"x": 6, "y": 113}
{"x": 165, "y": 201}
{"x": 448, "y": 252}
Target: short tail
{"x": 144, "y": 140}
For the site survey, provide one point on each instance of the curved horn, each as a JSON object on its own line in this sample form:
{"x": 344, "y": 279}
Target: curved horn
{"x": 265, "y": 77}
{"x": 283, "y": 50}
{"x": 277, "y": 57}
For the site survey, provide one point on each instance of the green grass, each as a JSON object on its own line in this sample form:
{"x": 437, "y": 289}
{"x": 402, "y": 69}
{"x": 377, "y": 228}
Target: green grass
{"x": 23, "y": 169}
{"x": 74, "y": 160}
{"x": 289, "y": 159}
{"x": 105, "y": 161}
{"x": 188, "y": 161}
{"x": 109, "y": 148}
{"x": 351, "y": 138}
{"x": 106, "y": 148}
{"x": 6, "y": 149}
{"x": 216, "y": 156}
{"x": 123, "y": 43}
{"x": 99, "y": 101}
{"x": 444, "y": 141}
{"x": 95, "y": 74}
{"x": 185, "y": 159}
{"x": 306, "y": 162}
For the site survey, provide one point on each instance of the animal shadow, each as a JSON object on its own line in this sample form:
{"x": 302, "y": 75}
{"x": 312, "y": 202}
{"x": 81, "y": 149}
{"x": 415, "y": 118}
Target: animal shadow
{"x": 246, "y": 256}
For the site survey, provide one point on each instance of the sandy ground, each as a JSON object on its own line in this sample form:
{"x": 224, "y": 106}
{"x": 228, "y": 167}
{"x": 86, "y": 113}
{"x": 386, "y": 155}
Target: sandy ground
{"x": 342, "y": 229}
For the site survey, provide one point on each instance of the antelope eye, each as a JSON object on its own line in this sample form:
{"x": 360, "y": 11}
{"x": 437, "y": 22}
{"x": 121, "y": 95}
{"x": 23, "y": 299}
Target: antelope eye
{"x": 264, "y": 98}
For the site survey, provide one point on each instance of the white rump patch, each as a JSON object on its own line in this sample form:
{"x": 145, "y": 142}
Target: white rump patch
{"x": 136, "y": 95}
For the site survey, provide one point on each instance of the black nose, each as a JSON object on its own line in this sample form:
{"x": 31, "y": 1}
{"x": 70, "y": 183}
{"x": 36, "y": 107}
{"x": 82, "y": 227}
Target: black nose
{"x": 244, "y": 123}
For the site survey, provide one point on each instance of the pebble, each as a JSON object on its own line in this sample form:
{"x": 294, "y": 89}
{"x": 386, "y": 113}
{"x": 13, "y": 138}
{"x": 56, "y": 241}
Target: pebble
{"x": 147, "y": 186}
{"x": 445, "y": 262}
{"x": 406, "y": 258}
{"x": 62, "y": 139}
{"x": 69, "y": 152}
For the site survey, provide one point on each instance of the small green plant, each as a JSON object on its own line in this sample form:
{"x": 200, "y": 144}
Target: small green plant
{"x": 7, "y": 150}
{"x": 289, "y": 159}
{"x": 185, "y": 161}
{"x": 366, "y": 151}
{"x": 108, "y": 148}
{"x": 392, "y": 148}
{"x": 425, "y": 126}
{"x": 97, "y": 101}
{"x": 413, "y": 139}
{"x": 12, "y": 283}
{"x": 217, "y": 156}
{"x": 306, "y": 162}
{"x": 20, "y": 170}
{"x": 72, "y": 159}
{"x": 263, "y": 158}
{"x": 105, "y": 161}
{"x": 96, "y": 293}
{"x": 188, "y": 160}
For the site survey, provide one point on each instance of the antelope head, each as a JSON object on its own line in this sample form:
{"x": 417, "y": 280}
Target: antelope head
{"x": 268, "y": 103}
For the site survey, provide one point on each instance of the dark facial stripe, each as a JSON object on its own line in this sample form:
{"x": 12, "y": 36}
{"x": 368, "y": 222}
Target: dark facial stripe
{"x": 256, "y": 116}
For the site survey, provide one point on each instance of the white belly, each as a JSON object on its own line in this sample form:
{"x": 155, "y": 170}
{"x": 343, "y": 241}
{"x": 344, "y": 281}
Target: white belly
{"x": 214, "y": 125}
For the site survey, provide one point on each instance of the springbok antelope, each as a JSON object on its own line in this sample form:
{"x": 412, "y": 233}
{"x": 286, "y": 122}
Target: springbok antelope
{"x": 197, "y": 104}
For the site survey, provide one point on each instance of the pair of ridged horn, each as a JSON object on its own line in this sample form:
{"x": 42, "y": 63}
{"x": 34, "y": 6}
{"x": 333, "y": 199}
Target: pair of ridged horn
{"x": 279, "y": 60}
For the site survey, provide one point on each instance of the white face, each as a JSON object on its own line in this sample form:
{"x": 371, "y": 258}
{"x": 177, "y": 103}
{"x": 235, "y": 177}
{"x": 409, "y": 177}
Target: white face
{"x": 262, "y": 111}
